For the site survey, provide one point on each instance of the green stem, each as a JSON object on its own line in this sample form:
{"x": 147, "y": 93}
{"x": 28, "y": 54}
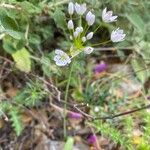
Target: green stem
{"x": 101, "y": 43}
{"x": 65, "y": 105}
{"x": 97, "y": 28}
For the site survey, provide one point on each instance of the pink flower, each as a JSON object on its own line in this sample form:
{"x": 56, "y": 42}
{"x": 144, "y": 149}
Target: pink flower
{"x": 100, "y": 67}
{"x": 91, "y": 139}
{"x": 75, "y": 115}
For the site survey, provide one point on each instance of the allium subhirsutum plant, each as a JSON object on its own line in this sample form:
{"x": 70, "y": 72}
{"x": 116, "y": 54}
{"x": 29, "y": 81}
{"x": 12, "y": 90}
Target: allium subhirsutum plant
{"x": 81, "y": 34}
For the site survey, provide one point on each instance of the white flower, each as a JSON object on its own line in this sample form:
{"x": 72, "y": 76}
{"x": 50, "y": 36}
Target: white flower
{"x": 71, "y": 38}
{"x": 117, "y": 35}
{"x": 107, "y": 16}
{"x": 70, "y": 24}
{"x": 90, "y": 18}
{"x": 75, "y": 34}
{"x": 88, "y": 50}
{"x": 71, "y": 8}
{"x": 83, "y": 39}
{"x": 79, "y": 29}
{"x": 80, "y": 9}
{"x": 89, "y": 35}
{"x": 96, "y": 109}
{"x": 61, "y": 58}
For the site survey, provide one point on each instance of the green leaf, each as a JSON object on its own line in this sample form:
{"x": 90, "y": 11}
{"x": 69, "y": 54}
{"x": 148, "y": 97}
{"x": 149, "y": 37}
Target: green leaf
{"x": 9, "y": 26}
{"x": 137, "y": 21}
{"x": 14, "y": 34}
{"x": 140, "y": 69}
{"x": 16, "y": 120}
{"x": 8, "y": 23}
{"x": 30, "y": 8}
{"x": 22, "y": 59}
{"x": 69, "y": 144}
{"x": 9, "y": 46}
{"x": 60, "y": 19}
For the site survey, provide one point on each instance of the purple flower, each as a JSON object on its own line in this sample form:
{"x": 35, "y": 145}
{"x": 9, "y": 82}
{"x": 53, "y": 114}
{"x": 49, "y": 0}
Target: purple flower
{"x": 91, "y": 139}
{"x": 148, "y": 97}
{"x": 75, "y": 115}
{"x": 100, "y": 67}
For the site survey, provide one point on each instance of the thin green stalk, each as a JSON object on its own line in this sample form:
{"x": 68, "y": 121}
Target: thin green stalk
{"x": 97, "y": 44}
{"x": 65, "y": 105}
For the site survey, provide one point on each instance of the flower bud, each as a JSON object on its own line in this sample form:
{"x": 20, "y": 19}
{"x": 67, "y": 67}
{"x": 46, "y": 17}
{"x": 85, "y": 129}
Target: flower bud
{"x": 80, "y": 9}
{"x": 90, "y": 35}
{"x": 79, "y": 29}
{"x": 71, "y": 8}
{"x": 83, "y": 39}
{"x": 76, "y": 34}
{"x": 100, "y": 67}
{"x": 91, "y": 139}
{"x": 90, "y": 18}
{"x": 70, "y": 24}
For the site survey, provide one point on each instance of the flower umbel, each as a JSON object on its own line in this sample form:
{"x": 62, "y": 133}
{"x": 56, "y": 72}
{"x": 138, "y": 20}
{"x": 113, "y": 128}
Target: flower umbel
{"x": 81, "y": 34}
{"x": 117, "y": 35}
{"x": 61, "y": 58}
{"x": 107, "y": 16}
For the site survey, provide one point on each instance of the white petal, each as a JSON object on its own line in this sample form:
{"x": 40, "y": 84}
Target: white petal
{"x": 75, "y": 34}
{"x": 56, "y": 57}
{"x": 89, "y": 35}
{"x": 59, "y": 52}
{"x": 107, "y": 16}
{"x": 88, "y": 50}
{"x": 80, "y": 9}
{"x": 83, "y": 39}
{"x": 79, "y": 29}
{"x": 71, "y": 8}
{"x": 117, "y": 35}
{"x": 70, "y": 24}
{"x": 90, "y": 18}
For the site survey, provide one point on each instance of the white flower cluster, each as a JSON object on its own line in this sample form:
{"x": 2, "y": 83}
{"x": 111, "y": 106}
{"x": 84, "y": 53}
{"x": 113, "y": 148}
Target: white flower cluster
{"x": 79, "y": 32}
{"x": 79, "y": 35}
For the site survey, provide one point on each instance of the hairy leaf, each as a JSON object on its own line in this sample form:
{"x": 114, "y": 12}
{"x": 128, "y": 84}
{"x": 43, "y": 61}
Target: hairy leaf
{"x": 22, "y": 59}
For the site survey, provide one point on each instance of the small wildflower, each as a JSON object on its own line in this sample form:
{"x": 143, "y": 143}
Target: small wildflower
{"x": 88, "y": 50}
{"x": 91, "y": 139}
{"x": 90, "y": 18}
{"x": 117, "y": 35}
{"x": 89, "y": 35}
{"x": 148, "y": 97}
{"x": 70, "y": 24}
{"x": 107, "y": 16}
{"x": 75, "y": 34}
{"x": 71, "y": 8}
{"x": 61, "y": 58}
{"x": 80, "y": 9}
{"x": 74, "y": 115}
{"x": 83, "y": 39}
{"x": 100, "y": 67}
{"x": 96, "y": 109}
{"x": 79, "y": 29}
